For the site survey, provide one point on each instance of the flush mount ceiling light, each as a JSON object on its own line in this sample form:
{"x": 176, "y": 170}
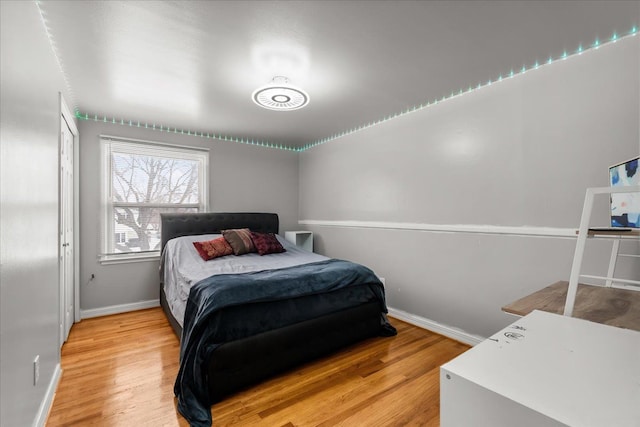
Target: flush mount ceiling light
{"x": 279, "y": 95}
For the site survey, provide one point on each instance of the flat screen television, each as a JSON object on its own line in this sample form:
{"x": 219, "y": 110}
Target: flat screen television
{"x": 625, "y": 207}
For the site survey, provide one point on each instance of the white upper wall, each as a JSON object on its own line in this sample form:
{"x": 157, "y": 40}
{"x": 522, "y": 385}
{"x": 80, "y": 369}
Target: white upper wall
{"x": 518, "y": 152}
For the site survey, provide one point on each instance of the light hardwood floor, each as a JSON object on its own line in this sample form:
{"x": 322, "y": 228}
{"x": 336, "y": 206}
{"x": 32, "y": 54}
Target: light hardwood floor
{"x": 119, "y": 371}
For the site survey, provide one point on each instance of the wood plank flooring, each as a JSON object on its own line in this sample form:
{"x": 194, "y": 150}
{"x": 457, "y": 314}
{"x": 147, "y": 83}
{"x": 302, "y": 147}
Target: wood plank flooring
{"x": 119, "y": 371}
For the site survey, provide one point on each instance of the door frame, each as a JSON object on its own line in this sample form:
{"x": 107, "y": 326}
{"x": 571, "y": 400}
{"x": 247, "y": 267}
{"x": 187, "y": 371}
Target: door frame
{"x": 67, "y": 115}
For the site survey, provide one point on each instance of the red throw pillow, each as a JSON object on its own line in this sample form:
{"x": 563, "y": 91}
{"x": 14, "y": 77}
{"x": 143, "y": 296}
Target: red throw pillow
{"x": 213, "y": 248}
{"x": 266, "y": 243}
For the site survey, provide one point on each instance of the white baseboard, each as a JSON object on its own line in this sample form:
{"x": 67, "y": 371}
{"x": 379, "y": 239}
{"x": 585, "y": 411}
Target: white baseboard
{"x": 436, "y": 327}
{"x": 422, "y": 322}
{"x": 120, "y": 308}
{"x": 47, "y": 401}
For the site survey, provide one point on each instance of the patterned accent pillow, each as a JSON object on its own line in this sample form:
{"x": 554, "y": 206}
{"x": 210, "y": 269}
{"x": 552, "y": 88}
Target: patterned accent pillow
{"x": 266, "y": 243}
{"x": 240, "y": 240}
{"x": 213, "y": 248}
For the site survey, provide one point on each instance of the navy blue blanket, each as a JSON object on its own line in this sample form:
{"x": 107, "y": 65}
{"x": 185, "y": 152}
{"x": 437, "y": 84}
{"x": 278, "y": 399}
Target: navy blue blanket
{"x": 204, "y": 330}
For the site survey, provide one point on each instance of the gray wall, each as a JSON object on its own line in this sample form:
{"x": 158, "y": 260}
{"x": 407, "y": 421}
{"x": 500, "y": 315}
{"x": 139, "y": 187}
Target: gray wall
{"x": 518, "y": 153}
{"x": 242, "y": 178}
{"x": 30, "y": 122}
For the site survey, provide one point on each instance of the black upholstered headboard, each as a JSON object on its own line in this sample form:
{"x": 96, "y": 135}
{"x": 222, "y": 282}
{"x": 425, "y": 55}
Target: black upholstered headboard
{"x": 188, "y": 224}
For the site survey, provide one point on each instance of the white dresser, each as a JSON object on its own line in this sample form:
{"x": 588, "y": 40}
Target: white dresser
{"x": 545, "y": 370}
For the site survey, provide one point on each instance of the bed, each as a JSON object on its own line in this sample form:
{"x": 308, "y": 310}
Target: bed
{"x": 246, "y": 341}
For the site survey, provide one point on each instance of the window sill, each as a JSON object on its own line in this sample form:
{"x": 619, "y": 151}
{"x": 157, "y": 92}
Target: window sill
{"x": 129, "y": 258}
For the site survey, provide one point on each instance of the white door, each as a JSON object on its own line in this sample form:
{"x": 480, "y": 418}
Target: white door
{"x": 67, "y": 289}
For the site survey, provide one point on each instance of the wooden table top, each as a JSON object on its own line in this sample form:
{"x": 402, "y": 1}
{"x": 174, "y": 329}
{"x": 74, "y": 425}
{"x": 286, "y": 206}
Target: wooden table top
{"x": 612, "y": 232}
{"x": 610, "y": 306}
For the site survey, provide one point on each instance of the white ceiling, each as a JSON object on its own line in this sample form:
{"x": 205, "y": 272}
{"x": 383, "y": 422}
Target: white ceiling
{"x": 194, "y": 64}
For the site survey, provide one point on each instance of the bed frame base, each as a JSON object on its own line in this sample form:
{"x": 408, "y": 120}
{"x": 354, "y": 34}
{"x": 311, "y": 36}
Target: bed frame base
{"x": 241, "y": 363}
{"x": 238, "y": 364}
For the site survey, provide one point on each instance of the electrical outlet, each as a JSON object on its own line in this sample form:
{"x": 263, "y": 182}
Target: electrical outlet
{"x": 36, "y": 370}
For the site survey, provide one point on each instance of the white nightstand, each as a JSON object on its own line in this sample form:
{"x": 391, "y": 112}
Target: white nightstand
{"x": 302, "y": 239}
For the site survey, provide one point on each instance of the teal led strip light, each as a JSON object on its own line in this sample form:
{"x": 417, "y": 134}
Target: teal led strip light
{"x": 188, "y": 132}
{"x": 512, "y": 73}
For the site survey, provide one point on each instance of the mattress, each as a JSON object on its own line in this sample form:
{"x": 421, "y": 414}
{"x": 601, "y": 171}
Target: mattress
{"x": 182, "y": 266}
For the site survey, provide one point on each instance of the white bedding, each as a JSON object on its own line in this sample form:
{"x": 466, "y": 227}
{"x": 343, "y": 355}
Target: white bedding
{"x": 183, "y": 266}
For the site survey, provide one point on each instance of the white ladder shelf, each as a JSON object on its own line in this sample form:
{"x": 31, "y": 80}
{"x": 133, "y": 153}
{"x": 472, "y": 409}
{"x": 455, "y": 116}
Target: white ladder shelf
{"x": 584, "y": 232}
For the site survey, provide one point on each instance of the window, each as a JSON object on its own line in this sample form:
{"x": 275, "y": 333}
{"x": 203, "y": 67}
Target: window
{"x": 121, "y": 238}
{"x": 140, "y": 180}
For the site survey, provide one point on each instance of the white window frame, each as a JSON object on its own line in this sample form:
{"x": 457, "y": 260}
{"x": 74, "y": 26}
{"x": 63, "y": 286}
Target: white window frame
{"x": 110, "y": 144}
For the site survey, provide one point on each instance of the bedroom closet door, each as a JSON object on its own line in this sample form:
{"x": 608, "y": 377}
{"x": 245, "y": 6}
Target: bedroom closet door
{"x": 67, "y": 288}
